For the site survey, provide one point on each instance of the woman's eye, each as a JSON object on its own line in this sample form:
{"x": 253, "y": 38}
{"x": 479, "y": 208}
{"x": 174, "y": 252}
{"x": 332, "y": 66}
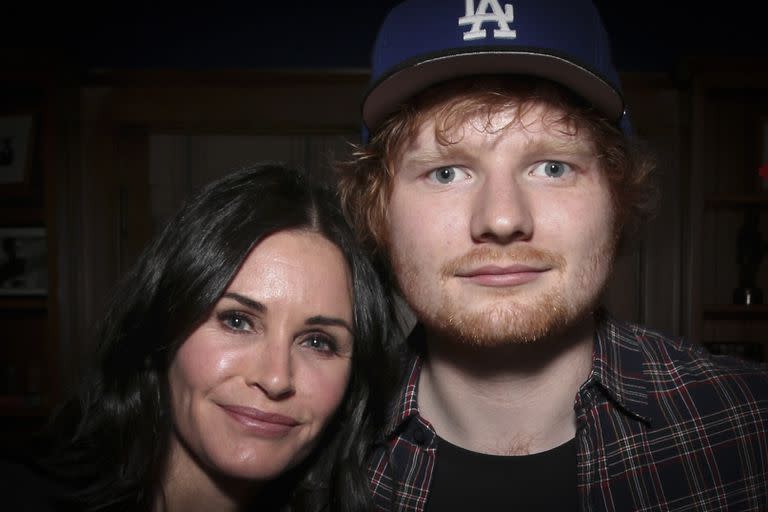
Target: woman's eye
{"x": 448, "y": 174}
{"x": 235, "y": 321}
{"x": 320, "y": 342}
{"x": 552, "y": 169}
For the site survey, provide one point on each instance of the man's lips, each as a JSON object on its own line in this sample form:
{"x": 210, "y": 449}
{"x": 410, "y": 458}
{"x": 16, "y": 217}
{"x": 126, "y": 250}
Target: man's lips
{"x": 496, "y": 275}
{"x": 260, "y": 422}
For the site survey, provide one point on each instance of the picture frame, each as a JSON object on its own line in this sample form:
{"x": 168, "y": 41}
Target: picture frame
{"x": 23, "y": 261}
{"x": 16, "y": 147}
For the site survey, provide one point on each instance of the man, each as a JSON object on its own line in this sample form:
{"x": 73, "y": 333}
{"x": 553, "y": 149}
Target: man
{"x": 497, "y": 180}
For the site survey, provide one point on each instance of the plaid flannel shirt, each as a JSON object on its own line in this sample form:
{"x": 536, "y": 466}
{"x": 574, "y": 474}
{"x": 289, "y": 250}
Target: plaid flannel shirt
{"x": 661, "y": 425}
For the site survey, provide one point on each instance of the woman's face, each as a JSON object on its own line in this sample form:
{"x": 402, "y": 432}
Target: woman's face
{"x": 255, "y": 384}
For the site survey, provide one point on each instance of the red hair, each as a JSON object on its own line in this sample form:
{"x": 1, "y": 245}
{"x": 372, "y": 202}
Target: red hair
{"x": 365, "y": 180}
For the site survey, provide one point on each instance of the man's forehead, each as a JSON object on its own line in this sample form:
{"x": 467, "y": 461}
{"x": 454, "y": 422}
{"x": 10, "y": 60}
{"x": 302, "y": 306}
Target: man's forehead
{"x": 538, "y": 124}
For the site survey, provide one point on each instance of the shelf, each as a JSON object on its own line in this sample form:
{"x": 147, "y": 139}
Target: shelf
{"x": 738, "y": 201}
{"x": 735, "y": 311}
{"x": 23, "y": 303}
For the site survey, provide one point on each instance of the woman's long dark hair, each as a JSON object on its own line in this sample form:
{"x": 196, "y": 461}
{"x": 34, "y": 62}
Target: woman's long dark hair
{"x": 122, "y": 424}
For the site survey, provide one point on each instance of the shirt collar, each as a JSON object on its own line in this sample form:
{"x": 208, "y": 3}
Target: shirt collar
{"x": 407, "y": 404}
{"x": 618, "y": 365}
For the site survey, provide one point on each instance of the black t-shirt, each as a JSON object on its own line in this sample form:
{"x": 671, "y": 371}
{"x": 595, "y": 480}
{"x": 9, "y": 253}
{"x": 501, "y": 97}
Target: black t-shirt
{"x": 465, "y": 480}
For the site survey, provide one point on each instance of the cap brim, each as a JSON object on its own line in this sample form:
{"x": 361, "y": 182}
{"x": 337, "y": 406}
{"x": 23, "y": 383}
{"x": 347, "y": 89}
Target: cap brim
{"x": 387, "y": 94}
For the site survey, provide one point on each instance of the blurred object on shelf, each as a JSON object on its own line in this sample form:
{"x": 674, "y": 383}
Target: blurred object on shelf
{"x": 750, "y": 251}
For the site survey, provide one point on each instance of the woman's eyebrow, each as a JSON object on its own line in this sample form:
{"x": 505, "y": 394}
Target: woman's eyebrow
{"x": 328, "y": 320}
{"x": 245, "y": 301}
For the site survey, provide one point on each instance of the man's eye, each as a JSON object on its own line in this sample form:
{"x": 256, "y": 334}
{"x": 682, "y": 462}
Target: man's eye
{"x": 448, "y": 174}
{"x": 552, "y": 169}
{"x": 235, "y": 321}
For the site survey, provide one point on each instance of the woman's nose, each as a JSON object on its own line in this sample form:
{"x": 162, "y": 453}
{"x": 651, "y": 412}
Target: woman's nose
{"x": 272, "y": 370}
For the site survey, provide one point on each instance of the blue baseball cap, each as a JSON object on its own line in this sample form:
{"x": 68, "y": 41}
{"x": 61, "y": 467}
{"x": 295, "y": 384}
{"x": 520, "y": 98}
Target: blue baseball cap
{"x": 424, "y": 42}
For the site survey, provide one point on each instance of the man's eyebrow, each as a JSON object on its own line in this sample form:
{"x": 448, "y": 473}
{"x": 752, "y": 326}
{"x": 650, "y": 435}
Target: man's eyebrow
{"x": 560, "y": 146}
{"x": 245, "y": 301}
{"x": 328, "y": 320}
{"x": 429, "y": 156}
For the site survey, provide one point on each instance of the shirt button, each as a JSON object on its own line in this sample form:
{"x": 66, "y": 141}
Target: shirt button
{"x": 419, "y": 436}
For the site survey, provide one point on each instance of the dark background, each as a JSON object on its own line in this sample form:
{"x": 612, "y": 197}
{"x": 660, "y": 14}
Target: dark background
{"x": 647, "y": 36}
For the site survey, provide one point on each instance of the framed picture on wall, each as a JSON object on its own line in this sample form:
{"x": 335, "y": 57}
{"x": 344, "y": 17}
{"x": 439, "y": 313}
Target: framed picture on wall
{"x": 23, "y": 261}
{"x": 16, "y": 146}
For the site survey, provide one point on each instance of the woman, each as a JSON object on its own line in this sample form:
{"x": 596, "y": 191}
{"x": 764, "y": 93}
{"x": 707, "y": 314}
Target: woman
{"x": 239, "y": 362}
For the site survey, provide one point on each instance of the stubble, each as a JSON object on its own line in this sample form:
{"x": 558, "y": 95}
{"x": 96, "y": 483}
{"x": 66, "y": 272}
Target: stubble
{"x": 506, "y": 315}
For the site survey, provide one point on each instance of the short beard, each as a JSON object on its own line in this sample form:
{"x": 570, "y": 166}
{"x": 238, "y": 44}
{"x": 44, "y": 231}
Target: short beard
{"x": 507, "y": 323}
{"x": 512, "y": 321}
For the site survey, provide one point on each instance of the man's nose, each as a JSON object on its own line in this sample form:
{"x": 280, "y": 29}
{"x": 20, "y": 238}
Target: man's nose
{"x": 501, "y": 211}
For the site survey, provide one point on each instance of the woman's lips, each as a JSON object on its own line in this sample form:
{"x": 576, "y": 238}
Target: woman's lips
{"x": 502, "y": 276}
{"x": 260, "y": 423}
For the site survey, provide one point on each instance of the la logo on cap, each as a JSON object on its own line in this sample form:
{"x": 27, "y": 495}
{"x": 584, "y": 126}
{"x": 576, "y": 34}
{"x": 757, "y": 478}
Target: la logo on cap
{"x": 488, "y": 11}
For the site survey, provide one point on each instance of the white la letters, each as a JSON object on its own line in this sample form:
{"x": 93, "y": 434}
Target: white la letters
{"x": 488, "y": 11}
